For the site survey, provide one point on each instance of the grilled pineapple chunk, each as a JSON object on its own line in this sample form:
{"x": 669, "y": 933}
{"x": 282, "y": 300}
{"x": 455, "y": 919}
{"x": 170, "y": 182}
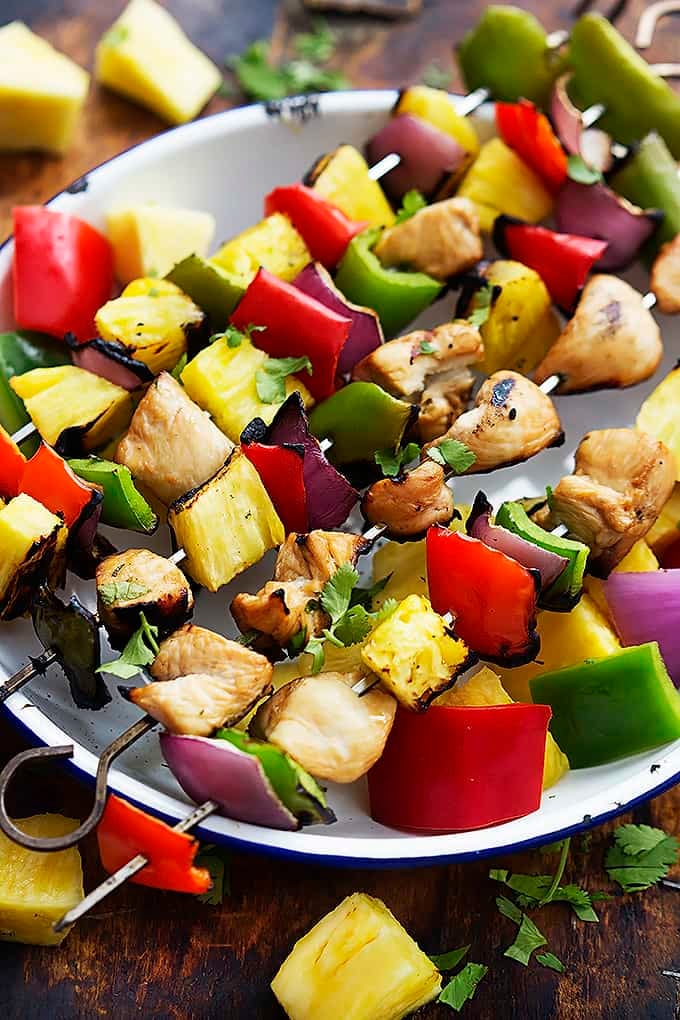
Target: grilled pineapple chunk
{"x": 273, "y": 243}
{"x": 357, "y": 963}
{"x": 342, "y": 178}
{"x": 225, "y": 525}
{"x": 658, "y": 416}
{"x": 664, "y": 532}
{"x": 152, "y": 238}
{"x": 73, "y": 409}
{"x": 37, "y": 889}
{"x": 32, "y": 544}
{"x": 499, "y": 182}
{"x": 221, "y": 379}
{"x": 639, "y": 560}
{"x": 152, "y": 325}
{"x": 146, "y": 56}
{"x": 414, "y": 653}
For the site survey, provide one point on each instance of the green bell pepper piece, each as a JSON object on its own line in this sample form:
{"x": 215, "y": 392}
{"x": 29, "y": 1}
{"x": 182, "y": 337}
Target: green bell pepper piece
{"x": 20, "y": 352}
{"x": 292, "y": 784}
{"x": 361, "y": 419}
{"x": 398, "y": 296}
{"x": 649, "y": 178}
{"x": 124, "y": 506}
{"x": 507, "y": 52}
{"x": 212, "y": 288}
{"x": 604, "y": 709}
{"x": 565, "y": 592}
{"x": 607, "y": 70}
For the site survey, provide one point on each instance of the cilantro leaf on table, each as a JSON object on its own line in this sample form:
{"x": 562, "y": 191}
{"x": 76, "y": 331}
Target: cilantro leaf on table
{"x": 452, "y": 453}
{"x": 391, "y": 462}
{"x": 259, "y": 79}
{"x": 449, "y": 961}
{"x": 482, "y": 304}
{"x": 462, "y": 986}
{"x": 579, "y": 171}
{"x": 508, "y": 909}
{"x": 317, "y": 45}
{"x": 140, "y": 651}
{"x": 412, "y": 202}
{"x": 270, "y": 380}
{"x": 640, "y": 856}
{"x": 121, "y": 591}
{"x": 551, "y": 961}
{"x": 216, "y": 860}
{"x": 527, "y": 940}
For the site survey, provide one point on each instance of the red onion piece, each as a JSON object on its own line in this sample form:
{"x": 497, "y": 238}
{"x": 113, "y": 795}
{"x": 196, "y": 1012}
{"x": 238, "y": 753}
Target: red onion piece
{"x": 428, "y": 155}
{"x": 646, "y": 607}
{"x": 594, "y": 210}
{"x": 365, "y": 332}
{"x": 106, "y": 361}
{"x": 592, "y": 144}
{"x": 216, "y": 770}
{"x": 479, "y": 525}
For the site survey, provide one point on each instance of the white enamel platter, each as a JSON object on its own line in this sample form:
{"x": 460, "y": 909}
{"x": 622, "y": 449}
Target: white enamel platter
{"x": 226, "y": 164}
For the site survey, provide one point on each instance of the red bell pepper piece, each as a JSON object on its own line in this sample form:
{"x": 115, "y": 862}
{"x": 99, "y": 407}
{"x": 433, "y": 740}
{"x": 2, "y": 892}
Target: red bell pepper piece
{"x": 281, "y": 471}
{"x": 63, "y": 272}
{"x": 12, "y": 464}
{"x": 526, "y": 130}
{"x": 563, "y": 261}
{"x": 296, "y": 325}
{"x": 324, "y": 228}
{"x": 48, "y": 479}
{"x": 451, "y": 769}
{"x": 125, "y": 831}
{"x": 491, "y": 596}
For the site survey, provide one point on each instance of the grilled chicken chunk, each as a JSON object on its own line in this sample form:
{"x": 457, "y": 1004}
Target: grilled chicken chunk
{"x": 612, "y": 341}
{"x": 665, "y": 278}
{"x": 621, "y": 480}
{"x": 280, "y": 610}
{"x": 442, "y": 240}
{"x": 172, "y": 446}
{"x": 511, "y": 421}
{"x": 135, "y": 581}
{"x": 205, "y": 681}
{"x": 408, "y": 504}
{"x": 443, "y": 401}
{"x": 321, "y": 723}
{"x": 317, "y": 555}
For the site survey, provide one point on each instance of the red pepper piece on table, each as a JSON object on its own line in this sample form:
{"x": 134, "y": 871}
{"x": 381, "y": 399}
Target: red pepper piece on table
{"x": 451, "y": 769}
{"x": 125, "y": 831}
{"x": 296, "y": 325}
{"x": 563, "y": 261}
{"x": 281, "y": 470}
{"x": 324, "y": 228}
{"x": 12, "y": 465}
{"x": 526, "y": 130}
{"x": 63, "y": 272}
{"x": 48, "y": 478}
{"x": 491, "y": 596}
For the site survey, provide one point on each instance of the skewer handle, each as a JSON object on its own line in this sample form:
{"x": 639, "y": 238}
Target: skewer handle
{"x": 24, "y": 432}
{"x": 23, "y": 676}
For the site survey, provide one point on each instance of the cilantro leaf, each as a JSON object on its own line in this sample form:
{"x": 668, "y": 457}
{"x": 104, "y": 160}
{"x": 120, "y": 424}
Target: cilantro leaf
{"x": 216, "y": 860}
{"x": 412, "y": 202}
{"x": 551, "y": 961}
{"x": 435, "y": 76}
{"x": 449, "y": 961}
{"x": 454, "y": 454}
{"x": 354, "y": 626}
{"x": 462, "y": 986}
{"x": 179, "y": 367}
{"x": 391, "y": 462}
{"x": 317, "y": 45}
{"x": 426, "y": 347}
{"x": 366, "y": 596}
{"x": 116, "y": 35}
{"x": 140, "y": 651}
{"x": 235, "y": 337}
{"x": 270, "y": 380}
{"x": 482, "y": 303}
{"x": 508, "y": 909}
{"x": 579, "y": 171}
{"x": 314, "y": 647}
{"x": 527, "y": 940}
{"x": 337, "y": 592}
{"x": 261, "y": 80}
{"x": 640, "y": 856}
{"x": 121, "y": 591}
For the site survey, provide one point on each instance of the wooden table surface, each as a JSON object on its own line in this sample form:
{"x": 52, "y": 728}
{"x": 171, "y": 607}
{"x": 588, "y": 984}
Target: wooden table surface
{"x": 148, "y": 954}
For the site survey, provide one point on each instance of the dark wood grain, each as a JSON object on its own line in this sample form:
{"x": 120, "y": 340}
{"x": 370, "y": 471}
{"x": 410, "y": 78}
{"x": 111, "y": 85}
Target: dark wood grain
{"x": 149, "y": 954}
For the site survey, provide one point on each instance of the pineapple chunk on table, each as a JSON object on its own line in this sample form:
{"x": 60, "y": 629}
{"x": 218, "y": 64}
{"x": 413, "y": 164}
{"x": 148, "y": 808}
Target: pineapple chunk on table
{"x": 32, "y": 546}
{"x": 357, "y": 963}
{"x": 36, "y": 889}
{"x": 151, "y": 239}
{"x": 41, "y": 92}
{"x": 146, "y": 56}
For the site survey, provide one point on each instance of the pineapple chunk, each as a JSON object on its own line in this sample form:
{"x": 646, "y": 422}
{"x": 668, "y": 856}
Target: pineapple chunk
{"x": 153, "y": 326}
{"x": 41, "y": 92}
{"x": 146, "y": 56}
{"x": 221, "y": 379}
{"x": 639, "y": 560}
{"x": 273, "y": 243}
{"x": 485, "y": 689}
{"x": 150, "y": 286}
{"x": 357, "y": 963}
{"x": 32, "y": 543}
{"x": 152, "y": 238}
{"x": 414, "y": 654}
{"x": 665, "y": 530}
{"x": 499, "y": 182}
{"x": 566, "y": 639}
{"x": 73, "y": 408}
{"x": 226, "y": 525}
{"x": 342, "y": 178}
{"x": 658, "y": 416}
{"x": 36, "y": 889}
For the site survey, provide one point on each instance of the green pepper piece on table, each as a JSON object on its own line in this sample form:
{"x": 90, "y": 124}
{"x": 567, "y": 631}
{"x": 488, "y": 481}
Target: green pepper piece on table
{"x": 210, "y": 286}
{"x": 361, "y": 419}
{"x": 649, "y": 178}
{"x": 124, "y": 506}
{"x": 20, "y": 352}
{"x": 294, "y": 787}
{"x": 607, "y": 70}
{"x": 563, "y": 595}
{"x": 507, "y": 52}
{"x": 398, "y": 296}
{"x": 605, "y": 709}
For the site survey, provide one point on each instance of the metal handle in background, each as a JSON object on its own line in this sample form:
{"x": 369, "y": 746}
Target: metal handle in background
{"x": 23, "y": 676}
{"x": 42, "y": 754}
{"x": 649, "y": 20}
